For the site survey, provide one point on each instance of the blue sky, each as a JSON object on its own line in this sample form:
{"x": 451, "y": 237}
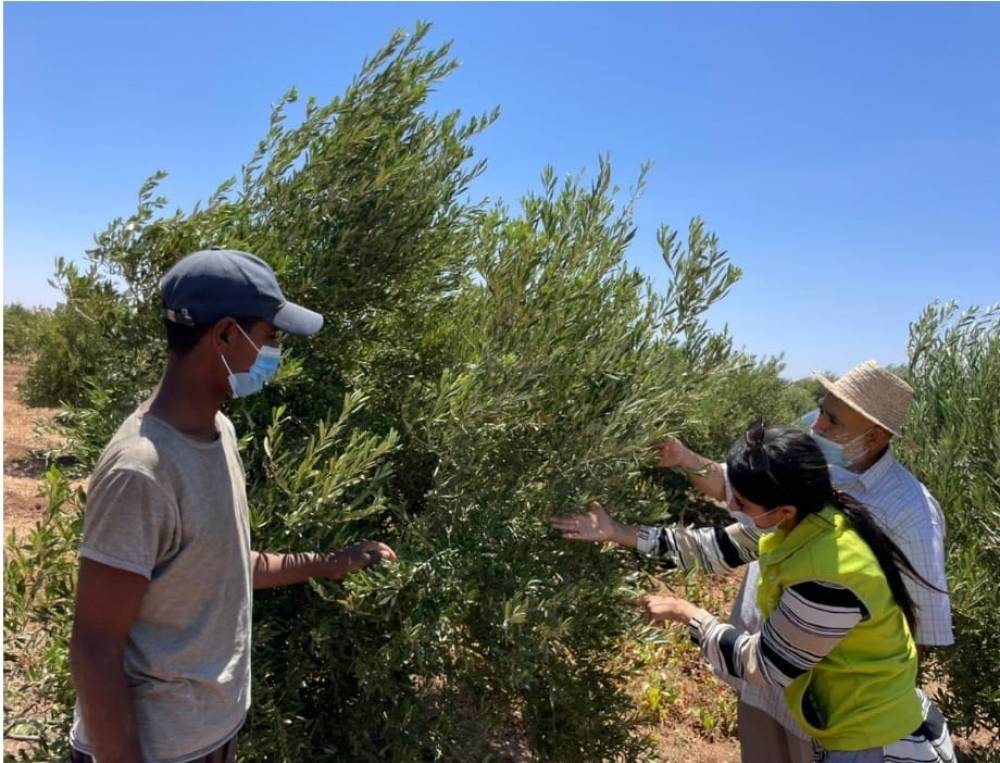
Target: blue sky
{"x": 846, "y": 155}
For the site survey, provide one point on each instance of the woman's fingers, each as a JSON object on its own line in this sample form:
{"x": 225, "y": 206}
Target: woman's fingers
{"x": 579, "y": 526}
{"x": 563, "y": 520}
{"x": 572, "y": 533}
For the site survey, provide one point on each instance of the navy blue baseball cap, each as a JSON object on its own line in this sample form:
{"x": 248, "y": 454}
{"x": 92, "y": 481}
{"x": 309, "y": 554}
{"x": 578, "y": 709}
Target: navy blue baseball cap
{"x": 216, "y": 283}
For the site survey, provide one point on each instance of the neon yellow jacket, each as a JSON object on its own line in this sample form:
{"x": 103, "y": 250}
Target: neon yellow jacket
{"x": 863, "y": 693}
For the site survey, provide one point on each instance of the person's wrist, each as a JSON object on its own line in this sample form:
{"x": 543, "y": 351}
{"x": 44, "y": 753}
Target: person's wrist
{"x": 690, "y": 461}
{"x": 623, "y": 534}
{"x": 694, "y": 612}
{"x": 335, "y": 565}
{"x": 326, "y": 567}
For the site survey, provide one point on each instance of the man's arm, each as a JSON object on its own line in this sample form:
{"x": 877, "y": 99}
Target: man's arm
{"x": 705, "y": 474}
{"x": 107, "y": 603}
{"x": 922, "y": 543}
{"x": 274, "y": 570}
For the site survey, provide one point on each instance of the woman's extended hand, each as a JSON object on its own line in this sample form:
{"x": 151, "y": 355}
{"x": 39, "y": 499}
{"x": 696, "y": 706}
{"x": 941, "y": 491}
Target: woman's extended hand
{"x": 593, "y": 525}
{"x": 672, "y": 454}
{"x": 660, "y": 607}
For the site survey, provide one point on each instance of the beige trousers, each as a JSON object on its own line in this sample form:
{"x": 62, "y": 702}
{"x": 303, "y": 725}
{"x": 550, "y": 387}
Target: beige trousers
{"x": 764, "y": 740}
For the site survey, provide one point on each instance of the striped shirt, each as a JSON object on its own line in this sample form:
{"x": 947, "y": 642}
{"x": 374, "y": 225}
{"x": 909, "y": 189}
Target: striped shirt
{"x": 903, "y": 507}
{"x": 808, "y": 622}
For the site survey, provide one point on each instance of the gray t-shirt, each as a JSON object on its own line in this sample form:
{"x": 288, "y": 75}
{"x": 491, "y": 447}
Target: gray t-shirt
{"x": 174, "y": 510}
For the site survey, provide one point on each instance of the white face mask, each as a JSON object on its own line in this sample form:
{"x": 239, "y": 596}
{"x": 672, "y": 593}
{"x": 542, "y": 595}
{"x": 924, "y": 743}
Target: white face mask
{"x": 843, "y": 454}
{"x": 750, "y": 523}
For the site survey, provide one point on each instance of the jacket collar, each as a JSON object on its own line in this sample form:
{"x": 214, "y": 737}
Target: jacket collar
{"x": 778, "y": 546}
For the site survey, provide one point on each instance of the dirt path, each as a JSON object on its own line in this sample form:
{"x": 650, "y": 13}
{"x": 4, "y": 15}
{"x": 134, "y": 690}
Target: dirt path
{"x": 23, "y": 468}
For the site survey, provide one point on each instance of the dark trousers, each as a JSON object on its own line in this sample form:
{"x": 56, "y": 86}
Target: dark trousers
{"x": 225, "y": 754}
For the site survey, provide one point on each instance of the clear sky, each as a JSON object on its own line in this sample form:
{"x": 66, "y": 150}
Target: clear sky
{"x": 848, "y": 156}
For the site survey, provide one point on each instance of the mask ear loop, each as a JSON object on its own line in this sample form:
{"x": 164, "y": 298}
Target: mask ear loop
{"x": 252, "y": 343}
{"x": 856, "y": 442}
{"x": 778, "y": 526}
{"x": 245, "y": 334}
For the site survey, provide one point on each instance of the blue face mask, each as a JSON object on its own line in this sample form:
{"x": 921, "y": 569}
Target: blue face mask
{"x": 252, "y": 381}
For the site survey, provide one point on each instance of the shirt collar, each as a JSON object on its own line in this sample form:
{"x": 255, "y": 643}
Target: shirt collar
{"x": 866, "y": 480}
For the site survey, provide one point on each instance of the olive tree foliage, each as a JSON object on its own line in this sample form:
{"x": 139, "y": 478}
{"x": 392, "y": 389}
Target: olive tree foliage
{"x": 23, "y": 328}
{"x": 564, "y": 366}
{"x": 570, "y": 367}
{"x": 481, "y": 368}
{"x": 953, "y": 433}
{"x": 362, "y": 210}
{"x": 39, "y": 586}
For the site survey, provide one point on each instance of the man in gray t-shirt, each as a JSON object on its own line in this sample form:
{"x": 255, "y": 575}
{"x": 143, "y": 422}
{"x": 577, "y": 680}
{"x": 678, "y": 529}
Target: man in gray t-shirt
{"x": 161, "y": 637}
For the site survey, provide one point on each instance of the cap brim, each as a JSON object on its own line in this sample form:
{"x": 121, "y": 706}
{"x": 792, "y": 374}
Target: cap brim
{"x": 297, "y": 320}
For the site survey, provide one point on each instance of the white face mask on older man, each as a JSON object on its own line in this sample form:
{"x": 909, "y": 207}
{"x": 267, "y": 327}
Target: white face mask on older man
{"x": 836, "y": 453}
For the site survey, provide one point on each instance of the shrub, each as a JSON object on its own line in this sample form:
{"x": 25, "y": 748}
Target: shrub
{"x": 76, "y": 341}
{"x": 39, "y": 592}
{"x": 954, "y": 449}
{"x": 22, "y": 330}
{"x": 570, "y": 368}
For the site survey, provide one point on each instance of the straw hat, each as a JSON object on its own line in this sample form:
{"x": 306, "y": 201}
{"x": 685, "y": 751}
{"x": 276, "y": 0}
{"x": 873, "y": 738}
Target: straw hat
{"x": 873, "y": 392}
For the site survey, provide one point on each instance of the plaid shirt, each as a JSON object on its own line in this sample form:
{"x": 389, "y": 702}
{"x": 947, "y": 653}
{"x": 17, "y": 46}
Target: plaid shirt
{"x": 902, "y": 506}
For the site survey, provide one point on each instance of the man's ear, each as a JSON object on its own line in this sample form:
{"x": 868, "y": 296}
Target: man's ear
{"x": 878, "y": 438}
{"x": 222, "y": 333}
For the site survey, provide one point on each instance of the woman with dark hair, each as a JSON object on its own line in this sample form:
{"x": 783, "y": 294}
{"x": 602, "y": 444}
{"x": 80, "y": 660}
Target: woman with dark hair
{"x": 837, "y": 638}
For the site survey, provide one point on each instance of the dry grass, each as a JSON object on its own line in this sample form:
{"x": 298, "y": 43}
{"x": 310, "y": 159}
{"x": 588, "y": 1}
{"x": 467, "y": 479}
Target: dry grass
{"x": 690, "y": 715}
